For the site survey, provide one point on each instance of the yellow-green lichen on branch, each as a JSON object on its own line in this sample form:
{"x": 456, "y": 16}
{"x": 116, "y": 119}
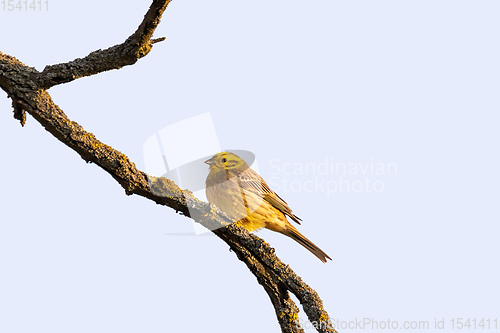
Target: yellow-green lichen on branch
{"x": 293, "y": 317}
{"x": 164, "y": 187}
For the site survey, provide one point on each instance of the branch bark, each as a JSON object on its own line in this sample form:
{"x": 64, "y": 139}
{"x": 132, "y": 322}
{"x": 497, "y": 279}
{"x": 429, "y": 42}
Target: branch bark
{"x": 27, "y": 88}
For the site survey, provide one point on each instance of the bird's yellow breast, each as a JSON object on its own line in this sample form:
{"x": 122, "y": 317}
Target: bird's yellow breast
{"x": 247, "y": 208}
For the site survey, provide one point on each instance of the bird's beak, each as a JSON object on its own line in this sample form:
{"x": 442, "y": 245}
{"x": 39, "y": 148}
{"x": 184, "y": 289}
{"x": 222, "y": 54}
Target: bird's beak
{"x": 210, "y": 161}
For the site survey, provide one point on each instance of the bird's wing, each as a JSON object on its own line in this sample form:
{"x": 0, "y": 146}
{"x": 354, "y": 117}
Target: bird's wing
{"x": 249, "y": 180}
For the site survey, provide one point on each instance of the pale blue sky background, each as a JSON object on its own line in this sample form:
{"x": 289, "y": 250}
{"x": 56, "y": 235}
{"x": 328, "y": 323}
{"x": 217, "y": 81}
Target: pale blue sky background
{"x": 408, "y": 83}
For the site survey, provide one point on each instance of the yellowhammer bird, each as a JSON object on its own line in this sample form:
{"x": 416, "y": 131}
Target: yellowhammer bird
{"x": 245, "y": 197}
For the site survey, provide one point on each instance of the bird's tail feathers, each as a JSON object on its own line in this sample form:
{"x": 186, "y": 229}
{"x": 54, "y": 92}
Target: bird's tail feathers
{"x": 293, "y": 233}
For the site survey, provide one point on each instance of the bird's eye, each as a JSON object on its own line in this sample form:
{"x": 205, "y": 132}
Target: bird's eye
{"x": 224, "y": 160}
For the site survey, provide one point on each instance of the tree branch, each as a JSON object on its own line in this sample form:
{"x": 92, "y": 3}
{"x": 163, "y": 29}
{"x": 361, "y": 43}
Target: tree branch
{"x": 136, "y": 46}
{"x": 27, "y": 89}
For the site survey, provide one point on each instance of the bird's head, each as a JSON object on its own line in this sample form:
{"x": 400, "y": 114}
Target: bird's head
{"x": 226, "y": 161}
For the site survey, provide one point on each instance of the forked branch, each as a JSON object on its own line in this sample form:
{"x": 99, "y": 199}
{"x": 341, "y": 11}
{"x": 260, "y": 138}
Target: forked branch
{"x": 27, "y": 88}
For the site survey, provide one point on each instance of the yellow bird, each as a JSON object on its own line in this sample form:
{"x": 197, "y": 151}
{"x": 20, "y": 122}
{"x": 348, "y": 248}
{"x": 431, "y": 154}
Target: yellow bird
{"x": 245, "y": 197}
